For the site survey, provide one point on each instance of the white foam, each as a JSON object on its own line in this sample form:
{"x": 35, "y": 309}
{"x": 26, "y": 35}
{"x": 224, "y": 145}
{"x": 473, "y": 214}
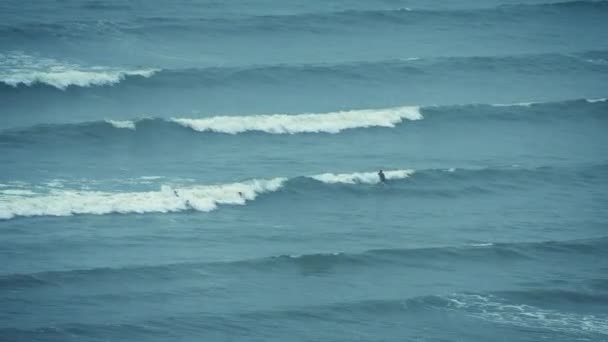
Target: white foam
{"x": 150, "y": 177}
{"x": 54, "y": 201}
{"x": 69, "y": 202}
{"x": 596, "y": 100}
{"x": 360, "y": 177}
{"x": 495, "y": 310}
{"x": 515, "y": 104}
{"x": 55, "y": 183}
{"x": 303, "y": 123}
{"x": 20, "y": 69}
{"x": 17, "y": 192}
{"x": 122, "y": 124}
{"x": 483, "y": 244}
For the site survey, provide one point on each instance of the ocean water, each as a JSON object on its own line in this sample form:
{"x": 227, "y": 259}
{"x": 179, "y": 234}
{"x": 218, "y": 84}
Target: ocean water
{"x": 207, "y": 170}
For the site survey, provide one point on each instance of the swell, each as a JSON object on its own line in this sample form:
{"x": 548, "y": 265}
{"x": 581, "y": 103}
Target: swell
{"x": 48, "y": 74}
{"x": 332, "y": 122}
{"x": 319, "y": 22}
{"x": 348, "y": 262}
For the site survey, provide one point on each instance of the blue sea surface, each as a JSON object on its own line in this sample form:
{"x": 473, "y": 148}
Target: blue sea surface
{"x": 207, "y": 170}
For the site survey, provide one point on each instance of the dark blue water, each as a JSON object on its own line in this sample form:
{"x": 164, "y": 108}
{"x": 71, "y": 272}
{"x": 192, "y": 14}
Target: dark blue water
{"x": 206, "y": 171}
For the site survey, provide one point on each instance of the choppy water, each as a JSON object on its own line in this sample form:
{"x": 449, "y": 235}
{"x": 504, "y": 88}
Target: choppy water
{"x": 269, "y": 120}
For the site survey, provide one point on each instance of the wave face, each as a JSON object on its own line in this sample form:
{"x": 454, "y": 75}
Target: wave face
{"x": 21, "y": 69}
{"x": 201, "y": 198}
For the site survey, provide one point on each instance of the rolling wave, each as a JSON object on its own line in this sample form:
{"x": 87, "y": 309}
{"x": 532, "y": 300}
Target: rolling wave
{"x": 23, "y": 70}
{"x": 333, "y": 122}
{"x": 201, "y": 198}
{"x": 303, "y": 123}
{"x": 63, "y": 202}
{"x": 53, "y": 201}
{"x": 19, "y": 69}
{"x": 397, "y": 257}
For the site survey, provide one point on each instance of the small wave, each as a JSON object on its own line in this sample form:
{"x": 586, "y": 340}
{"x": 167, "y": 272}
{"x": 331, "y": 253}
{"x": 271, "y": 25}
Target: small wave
{"x": 360, "y": 177}
{"x": 19, "y": 69}
{"x": 596, "y": 100}
{"x": 303, "y": 123}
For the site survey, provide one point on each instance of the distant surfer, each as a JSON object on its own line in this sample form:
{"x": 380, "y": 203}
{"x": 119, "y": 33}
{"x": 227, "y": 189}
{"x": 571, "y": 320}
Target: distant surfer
{"x": 382, "y": 176}
{"x": 187, "y": 203}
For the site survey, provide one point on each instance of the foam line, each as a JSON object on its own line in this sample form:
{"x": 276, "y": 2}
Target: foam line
{"x": 333, "y": 122}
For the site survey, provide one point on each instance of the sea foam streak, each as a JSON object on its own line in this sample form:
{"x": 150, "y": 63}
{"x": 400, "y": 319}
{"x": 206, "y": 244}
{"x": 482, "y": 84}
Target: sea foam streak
{"x": 64, "y": 202}
{"x": 19, "y": 69}
{"x": 303, "y": 123}
{"x": 493, "y": 309}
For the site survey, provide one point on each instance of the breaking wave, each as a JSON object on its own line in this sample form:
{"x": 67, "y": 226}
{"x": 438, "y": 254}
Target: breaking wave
{"x": 332, "y": 122}
{"x": 303, "y": 123}
{"x": 70, "y": 202}
{"x": 24, "y": 200}
{"x": 205, "y": 198}
{"x": 19, "y": 69}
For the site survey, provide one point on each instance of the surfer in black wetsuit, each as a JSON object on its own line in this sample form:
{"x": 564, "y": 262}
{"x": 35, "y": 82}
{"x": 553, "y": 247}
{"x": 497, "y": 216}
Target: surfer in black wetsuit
{"x": 381, "y": 176}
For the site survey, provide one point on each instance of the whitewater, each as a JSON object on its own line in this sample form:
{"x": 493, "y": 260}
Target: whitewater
{"x": 53, "y": 202}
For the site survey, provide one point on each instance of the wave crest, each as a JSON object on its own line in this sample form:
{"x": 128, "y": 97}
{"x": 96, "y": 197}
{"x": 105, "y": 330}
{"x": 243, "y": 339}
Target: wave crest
{"x": 19, "y": 69}
{"x": 202, "y": 198}
{"x": 303, "y": 123}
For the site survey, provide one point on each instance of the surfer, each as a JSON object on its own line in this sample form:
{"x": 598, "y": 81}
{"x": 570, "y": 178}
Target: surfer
{"x": 187, "y": 203}
{"x": 381, "y": 176}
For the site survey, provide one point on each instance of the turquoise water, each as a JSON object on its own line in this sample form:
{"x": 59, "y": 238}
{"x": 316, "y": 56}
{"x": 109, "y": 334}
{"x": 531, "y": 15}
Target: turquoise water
{"x": 207, "y": 171}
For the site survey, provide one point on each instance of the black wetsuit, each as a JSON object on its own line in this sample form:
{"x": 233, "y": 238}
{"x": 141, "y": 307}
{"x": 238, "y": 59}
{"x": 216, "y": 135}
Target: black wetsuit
{"x": 382, "y": 177}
